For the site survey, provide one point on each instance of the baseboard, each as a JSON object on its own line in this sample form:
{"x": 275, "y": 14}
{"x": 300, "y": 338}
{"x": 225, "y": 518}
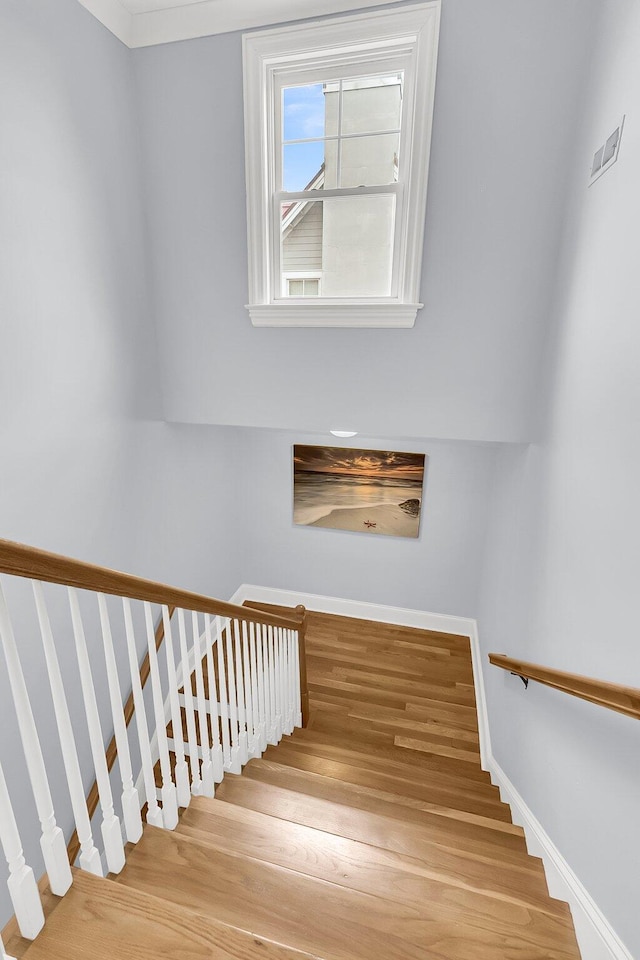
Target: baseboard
{"x": 404, "y": 616}
{"x": 596, "y": 938}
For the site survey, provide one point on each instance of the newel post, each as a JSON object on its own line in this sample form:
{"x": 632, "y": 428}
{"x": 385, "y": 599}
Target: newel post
{"x": 302, "y": 656}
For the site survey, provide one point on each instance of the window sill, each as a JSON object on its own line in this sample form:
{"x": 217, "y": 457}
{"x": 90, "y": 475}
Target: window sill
{"x": 380, "y": 315}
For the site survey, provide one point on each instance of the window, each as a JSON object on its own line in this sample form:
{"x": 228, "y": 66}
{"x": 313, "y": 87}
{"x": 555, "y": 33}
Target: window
{"x": 337, "y": 129}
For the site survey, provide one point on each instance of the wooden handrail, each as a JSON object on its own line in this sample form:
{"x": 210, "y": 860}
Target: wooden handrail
{"x": 614, "y": 696}
{"x": 19, "y": 560}
{"x": 93, "y": 797}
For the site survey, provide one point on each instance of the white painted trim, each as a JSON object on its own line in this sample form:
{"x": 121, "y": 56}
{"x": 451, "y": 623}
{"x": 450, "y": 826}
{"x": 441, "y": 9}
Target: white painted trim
{"x": 411, "y": 36}
{"x": 113, "y": 16}
{"x": 205, "y": 18}
{"x": 596, "y": 938}
{"x": 360, "y": 610}
{"x": 314, "y": 314}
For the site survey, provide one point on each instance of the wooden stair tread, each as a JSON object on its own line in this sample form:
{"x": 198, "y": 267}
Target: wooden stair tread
{"x": 510, "y": 869}
{"x": 407, "y": 808}
{"x": 454, "y": 835}
{"x": 405, "y": 771}
{"x": 433, "y": 793}
{"x": 328, "y": 920}
{"x": 103, "y": 920}
{"x": 351, "y": 863}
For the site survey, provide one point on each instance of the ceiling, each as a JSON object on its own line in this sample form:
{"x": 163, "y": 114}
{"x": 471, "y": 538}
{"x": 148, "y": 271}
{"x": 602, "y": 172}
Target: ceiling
{"x": 143, "y": 23}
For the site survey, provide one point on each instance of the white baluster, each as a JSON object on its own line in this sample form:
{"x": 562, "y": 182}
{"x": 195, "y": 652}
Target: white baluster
{"x": 231, "y": 760}
{"x": 192, "y": 739}
{"x": 168, "y": 790}
{"x": 285, "y": 680}
{"x": 54, "y": 849}
{"x": 207, "y": 771}
{"x": 154, "y": 813}
{"x": 272, "y": 725}
{"x": 243, "y": 739}
{"x": 251, "y": 740}
{"x": 297, "y": 712}
{"x": 217, "y": 753}
{"x": 89, "y": 854}
{"x": 23, "y": 888}
{"x": 282, "y": 680}
{"x": 263, "y": 685}
{"x": 277, "y": 639}
{"x": 290, "y": 683}
{"x": 273, "y": 647}
{"x": 236, "y": 760}
{"x": 255, "y": 700}
{"x": 110, "y": 827}
{"x": 130, "y": 798}
{"x": 181, "y": 771}
{"x": 283, "y": 676}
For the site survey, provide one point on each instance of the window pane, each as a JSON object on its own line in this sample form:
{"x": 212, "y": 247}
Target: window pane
{"x": 369, "y": 161}
{"x": 302, "y": 166}
{"x": 349, "y": 241}
{"x": 303, "y": 112}
{"x": 305, "y": 287}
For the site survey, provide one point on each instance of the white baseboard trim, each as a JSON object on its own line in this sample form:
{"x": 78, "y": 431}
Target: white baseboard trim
{"x": 596, "y": 938}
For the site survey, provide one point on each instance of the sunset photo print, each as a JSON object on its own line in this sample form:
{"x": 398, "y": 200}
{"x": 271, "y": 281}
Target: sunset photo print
{"x": 364, "y": 491}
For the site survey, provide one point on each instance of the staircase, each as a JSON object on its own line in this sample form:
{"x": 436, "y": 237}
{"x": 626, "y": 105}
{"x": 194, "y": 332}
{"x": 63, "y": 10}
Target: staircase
{"x": 372, "y": 832}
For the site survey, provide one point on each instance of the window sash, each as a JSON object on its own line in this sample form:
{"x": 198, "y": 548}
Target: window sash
{"x": 311, "y": 196}
{"x": 397, "y": 58}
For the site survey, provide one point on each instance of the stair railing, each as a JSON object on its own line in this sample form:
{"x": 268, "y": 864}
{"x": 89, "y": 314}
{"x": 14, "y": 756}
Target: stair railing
{"x": 614, "y": 696}
{"x": 232, "y": 680}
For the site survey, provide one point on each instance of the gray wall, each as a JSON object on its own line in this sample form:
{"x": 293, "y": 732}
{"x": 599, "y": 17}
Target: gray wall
{"x": 508, "y": 81}
{"x": 439, "y": 571}
{"x": 83, "y": 470}
{"x": 563, "y": 564}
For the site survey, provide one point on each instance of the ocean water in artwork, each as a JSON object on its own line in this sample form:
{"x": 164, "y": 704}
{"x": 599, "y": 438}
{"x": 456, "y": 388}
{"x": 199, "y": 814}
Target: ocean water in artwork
{"x": 317, "y": 495}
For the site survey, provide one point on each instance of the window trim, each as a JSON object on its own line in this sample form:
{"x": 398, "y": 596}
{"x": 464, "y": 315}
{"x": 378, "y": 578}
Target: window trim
{"x": 267, "y": 54}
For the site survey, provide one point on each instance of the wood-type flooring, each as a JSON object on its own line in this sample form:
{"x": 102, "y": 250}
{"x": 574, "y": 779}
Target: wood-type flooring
{"x": 373, "y": 833}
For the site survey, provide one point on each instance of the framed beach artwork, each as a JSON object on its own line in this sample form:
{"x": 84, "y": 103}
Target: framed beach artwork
{"x": 365, "y": 491}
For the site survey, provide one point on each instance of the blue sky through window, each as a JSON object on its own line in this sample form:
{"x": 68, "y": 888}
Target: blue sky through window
{"x": 303, "y": 118}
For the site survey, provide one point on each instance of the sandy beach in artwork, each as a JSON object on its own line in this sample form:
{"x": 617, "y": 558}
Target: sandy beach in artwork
{"x": 390, "y": 519}
{"x": 360, "y": 490}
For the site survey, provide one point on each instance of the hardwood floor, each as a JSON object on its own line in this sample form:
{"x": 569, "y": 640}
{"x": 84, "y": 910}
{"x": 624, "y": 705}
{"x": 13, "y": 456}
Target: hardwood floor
{"x": 373, "y": 832}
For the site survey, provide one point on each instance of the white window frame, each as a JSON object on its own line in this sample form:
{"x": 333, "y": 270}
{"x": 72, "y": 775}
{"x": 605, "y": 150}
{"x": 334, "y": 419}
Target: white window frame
{"x": 271, "y": 57}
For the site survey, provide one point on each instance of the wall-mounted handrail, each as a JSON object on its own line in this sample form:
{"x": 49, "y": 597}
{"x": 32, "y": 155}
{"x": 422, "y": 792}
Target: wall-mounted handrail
{"x": 614, "y": 696}
{"x": 19, "y": 560}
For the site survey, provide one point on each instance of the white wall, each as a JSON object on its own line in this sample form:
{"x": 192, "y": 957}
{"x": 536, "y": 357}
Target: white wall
{"x": 563, "y": 565}
{"x": 438, "y": 572}
{"x": 508, "y": 81}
